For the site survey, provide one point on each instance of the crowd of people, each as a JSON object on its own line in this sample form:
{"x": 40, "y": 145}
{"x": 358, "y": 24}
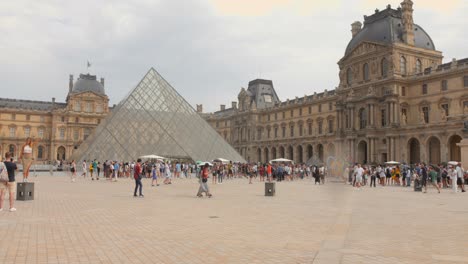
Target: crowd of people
{"x": 441, "y": 176}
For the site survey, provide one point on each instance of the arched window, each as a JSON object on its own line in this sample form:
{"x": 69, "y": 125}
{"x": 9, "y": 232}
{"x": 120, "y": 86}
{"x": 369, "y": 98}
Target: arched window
{"x": 362, "y": 118}
{"x": 365, "y": 72}
{"x": 403, "y": 65}
{"x": 40, "y": 152}
{"x": 12, "y": 149}
{"x": 349, "y": 76}
{"x": 384, "y": 67}
{"x": 418, "y": 66}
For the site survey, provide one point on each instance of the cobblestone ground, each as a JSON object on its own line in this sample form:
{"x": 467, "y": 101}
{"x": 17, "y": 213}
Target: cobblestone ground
{"x": 100, "y": 222}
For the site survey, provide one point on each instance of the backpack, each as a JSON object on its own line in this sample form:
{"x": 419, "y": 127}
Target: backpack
{"x": 3, "y": 173}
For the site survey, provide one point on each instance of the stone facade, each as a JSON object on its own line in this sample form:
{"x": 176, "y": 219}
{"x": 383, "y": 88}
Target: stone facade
{"x": 395, "y": 101}
{"x": 61, "y": 127}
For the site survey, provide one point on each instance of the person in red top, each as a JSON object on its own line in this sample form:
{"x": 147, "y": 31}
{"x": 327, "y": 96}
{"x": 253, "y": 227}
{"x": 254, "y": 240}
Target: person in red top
{"x": 137, "y": 176}
{"x": 269, "y": 172}
{"x": 204, "y": 182}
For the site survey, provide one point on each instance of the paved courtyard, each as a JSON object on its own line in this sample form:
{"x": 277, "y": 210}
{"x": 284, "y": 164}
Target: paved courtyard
{"x": 100, "y": 222}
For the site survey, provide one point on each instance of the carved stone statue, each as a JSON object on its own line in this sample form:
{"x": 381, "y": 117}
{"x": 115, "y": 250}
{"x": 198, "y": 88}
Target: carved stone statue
{"x": 443, "y": 115}
{"x": 371, "y": 91}
{"x": 403, "y": 119}
{"x": 351, "y": 93}
{"x": 422, "y": 120}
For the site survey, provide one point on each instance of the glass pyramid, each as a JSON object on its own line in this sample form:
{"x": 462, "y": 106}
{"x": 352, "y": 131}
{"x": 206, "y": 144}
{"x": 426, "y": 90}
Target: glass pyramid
{"x": 154, "y": 119}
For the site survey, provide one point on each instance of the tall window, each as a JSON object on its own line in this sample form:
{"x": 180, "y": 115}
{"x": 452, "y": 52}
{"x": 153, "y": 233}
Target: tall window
{"x": 13, "y": 116}
{"x": 89, "y": 107}
{"x": 444, "y": 85}
{"x": 365, "y": 72}
{"x": 349, "y": 76}
{"x": 426, "y": 114}
{"x": 465, "y": 81}
{"x": 320, "y": 108}
{"x": 276, "y": 116}
{"x": 87, "y": 132}
{"x": 310, "y": 110}
{"x": 310, "y": 129}
{"x": 284, "y": 115}
{"x": 77, "y": 106}
{"x": 330, "y": 126}
{"x": 383, "y": 117}
{"x": 259, "y": 134}
{"x": 424, "y": 89}
{"x": 292, "y": 113}
{"x": 320, "y": 125}
{"x": 300, "y": 111}
{"x": 28, "y": 118}
{"x": 40, "y": 152}
{"x": 268, "y": 132}
{"x": 301, "y": 128}
{"x": 384, "y": 67}
{"x": 330, "y": 106}
{"x": 40, "y": 133}
{"x": 12, "y": 131}
{"x": 99, "y": 108}
{"x": 62, "y": 133}
{"x": 268, "y": 118}
{"x": 362, "y": 118}
{"x": 76, "y": 134}
{"x": 77, "y": 120}
{"x": 347, "y": 121}
{"x": 445, "y": 107}
{"x": 284, "y": 131}
{"x": 276, "y": 132}
{"x": 418, "y": 66}
{"x": 12, "y": 149}
{"x": 403, "y": 65}
{"x": 403, "y": 91}
{"x": 291, "y": 131}
{"x": 27, "y": 131}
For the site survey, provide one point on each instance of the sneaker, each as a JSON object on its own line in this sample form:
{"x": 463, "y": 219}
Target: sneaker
{"x": 135, "y": 195}
{"x": 12, "y": 209}
{"x": 141, "y": 195}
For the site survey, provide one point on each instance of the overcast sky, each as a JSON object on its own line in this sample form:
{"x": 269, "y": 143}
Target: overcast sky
{"x": 207, "y": 49}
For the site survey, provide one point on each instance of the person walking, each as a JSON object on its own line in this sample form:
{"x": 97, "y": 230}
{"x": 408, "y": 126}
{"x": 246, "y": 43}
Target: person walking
{"x": 84, "y": 168}
{"x": 9, "y": 167}
{"x": 73, "y": 170}
{"x": 137, "y": 177}
{"x": 433, "y": 178}
{"x": 373, "y": 173}
{"x": 460, "y": 180}
{"x": 204, "y": 182}
{"x": 154, "y": 173}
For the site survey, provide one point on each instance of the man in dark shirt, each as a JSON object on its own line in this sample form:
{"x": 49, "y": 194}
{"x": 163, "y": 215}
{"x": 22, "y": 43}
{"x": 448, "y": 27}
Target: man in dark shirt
{"x": 11, "y": 184}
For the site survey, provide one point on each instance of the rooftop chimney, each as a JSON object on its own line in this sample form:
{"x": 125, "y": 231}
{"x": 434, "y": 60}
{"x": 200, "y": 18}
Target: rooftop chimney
{"x": 223, "y": 107}
{"x": 407, "y": 21}
{"x": 102, "y": 82}
{"x": 234, "y": 105}
{"x": 355, "y": 28}
{"x": 200, "y": 108}
{"x": 70, "y": 84}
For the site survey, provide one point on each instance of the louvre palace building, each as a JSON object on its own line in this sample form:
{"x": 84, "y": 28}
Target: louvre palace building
{"x": 396, "y": 100}
{"x": 60, "y": 126}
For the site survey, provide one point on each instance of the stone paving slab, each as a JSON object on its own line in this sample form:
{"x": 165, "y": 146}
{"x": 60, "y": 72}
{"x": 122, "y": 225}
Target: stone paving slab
{"x": 100, "y": 222}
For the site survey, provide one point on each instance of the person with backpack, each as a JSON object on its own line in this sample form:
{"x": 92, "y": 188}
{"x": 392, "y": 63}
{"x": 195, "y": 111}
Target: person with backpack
{"x": 7, "y": 181}
{"x": 204, "y": 173}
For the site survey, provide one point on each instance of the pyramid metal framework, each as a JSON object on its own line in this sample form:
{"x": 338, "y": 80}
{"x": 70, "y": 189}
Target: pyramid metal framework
{"x": 154, "y": 119}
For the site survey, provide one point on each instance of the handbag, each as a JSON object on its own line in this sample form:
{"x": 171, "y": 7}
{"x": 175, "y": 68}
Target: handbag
{"x": 204, "y": 180}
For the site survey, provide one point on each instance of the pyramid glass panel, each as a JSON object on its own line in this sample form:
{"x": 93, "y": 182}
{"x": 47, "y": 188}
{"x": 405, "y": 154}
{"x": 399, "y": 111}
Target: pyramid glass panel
{"x": 154, "y": 119}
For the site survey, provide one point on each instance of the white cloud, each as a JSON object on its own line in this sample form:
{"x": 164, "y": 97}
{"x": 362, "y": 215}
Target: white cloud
{"x": 207, "y": 54}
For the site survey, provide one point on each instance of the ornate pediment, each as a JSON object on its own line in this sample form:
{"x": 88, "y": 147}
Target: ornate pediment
{"x": 365, "y": 48}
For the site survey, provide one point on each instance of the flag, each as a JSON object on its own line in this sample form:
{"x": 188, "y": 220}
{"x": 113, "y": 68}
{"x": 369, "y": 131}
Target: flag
{"x": 89, "y": 64}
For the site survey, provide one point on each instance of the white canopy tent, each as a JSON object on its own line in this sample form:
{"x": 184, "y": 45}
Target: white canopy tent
{"x": 152, "y": 156}
{"x": 281, "y": 160}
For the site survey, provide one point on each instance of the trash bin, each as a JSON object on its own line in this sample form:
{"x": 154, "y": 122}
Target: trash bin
{"x": 25, "y": 191}
{"x": 417, "y": 185}
{"x": 270, "y": 188}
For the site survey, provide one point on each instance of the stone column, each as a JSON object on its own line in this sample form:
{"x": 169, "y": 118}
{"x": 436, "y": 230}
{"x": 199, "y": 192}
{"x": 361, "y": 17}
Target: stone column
{"x": 464, "y": 151}
{"x": 351, "y": 114}
{"x": 389, "y": 157}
